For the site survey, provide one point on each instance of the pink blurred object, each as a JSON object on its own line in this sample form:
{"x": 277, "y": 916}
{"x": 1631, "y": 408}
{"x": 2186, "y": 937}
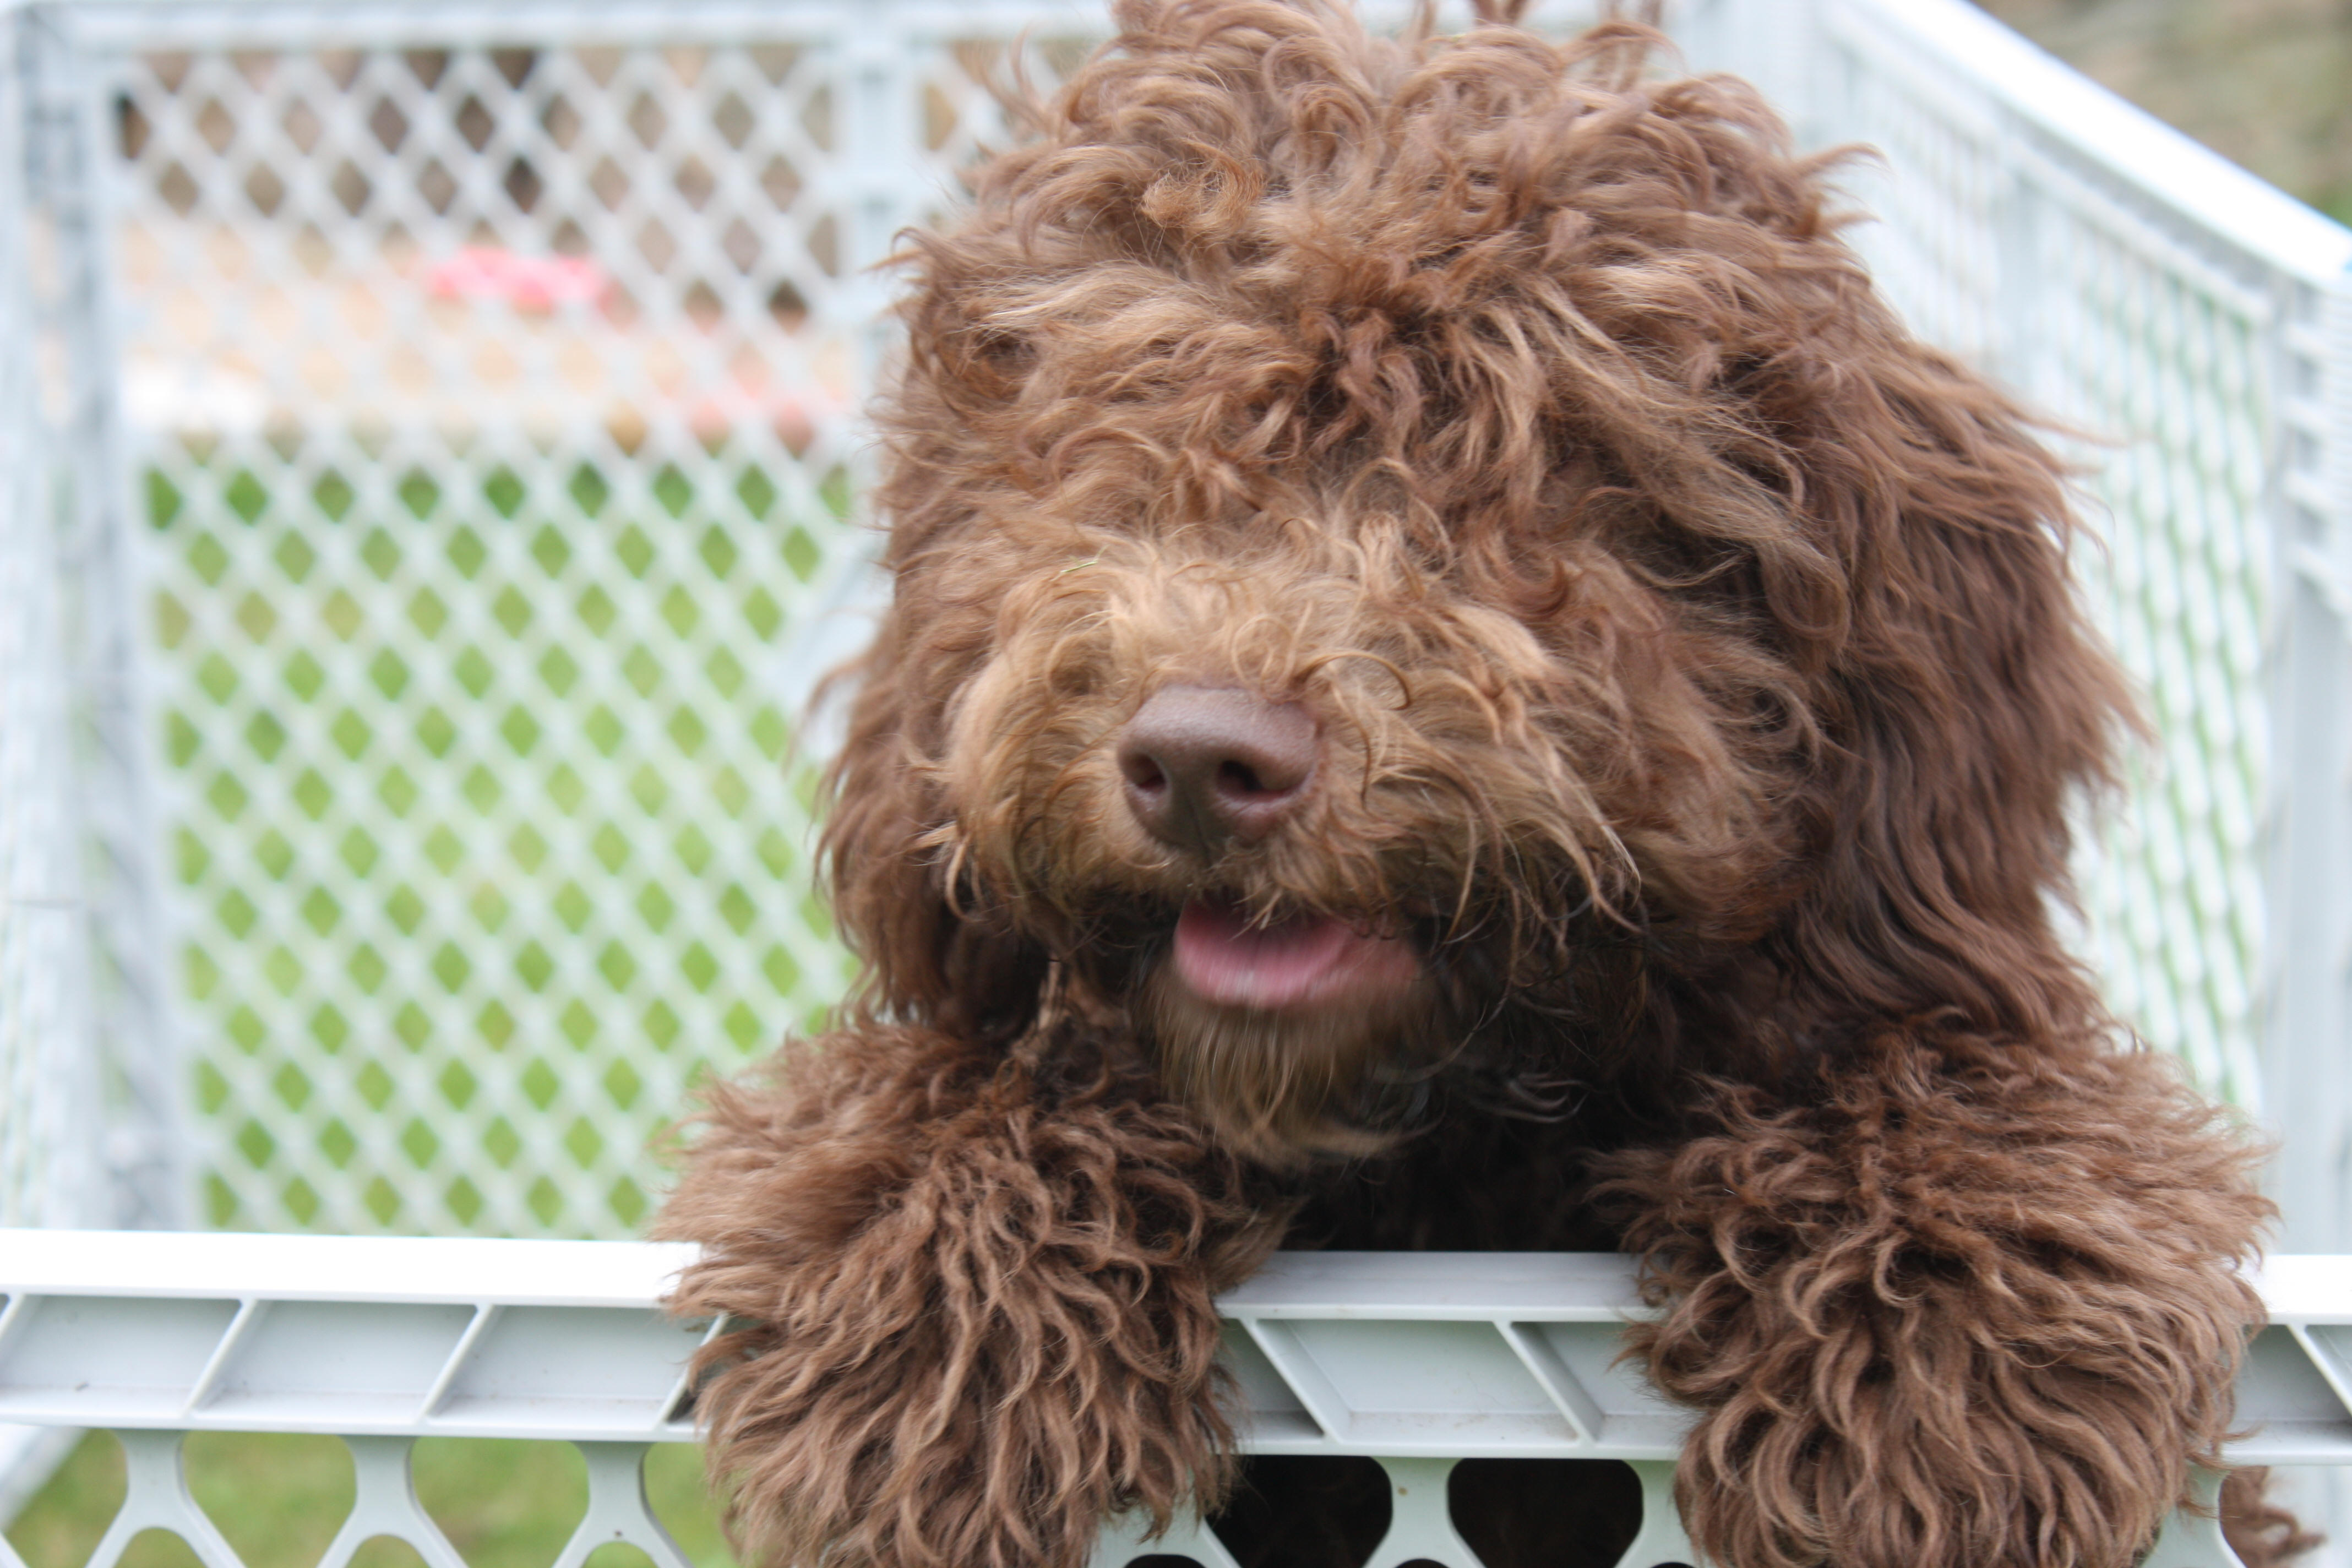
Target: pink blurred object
{"x": 526, "y": 282}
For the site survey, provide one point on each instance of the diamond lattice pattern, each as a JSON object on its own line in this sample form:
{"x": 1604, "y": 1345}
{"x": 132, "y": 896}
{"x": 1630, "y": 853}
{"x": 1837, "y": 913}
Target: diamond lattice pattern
{"x": 2161, "y": 354}
{"x": 493, "y": 416}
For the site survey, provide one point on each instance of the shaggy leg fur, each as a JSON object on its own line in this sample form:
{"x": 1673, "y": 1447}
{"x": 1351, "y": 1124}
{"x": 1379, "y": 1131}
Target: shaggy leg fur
{"x": 1964, "y": 1307}
{"x": 2262, "y": 1534}
{"x": 975, "y": 1301}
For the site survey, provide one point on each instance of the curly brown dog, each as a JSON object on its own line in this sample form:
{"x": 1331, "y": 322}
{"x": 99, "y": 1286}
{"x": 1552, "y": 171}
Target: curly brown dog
{"x": 1457, "y": 680}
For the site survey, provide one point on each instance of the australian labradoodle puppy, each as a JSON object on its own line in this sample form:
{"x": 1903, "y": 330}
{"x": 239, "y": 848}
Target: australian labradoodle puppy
{"x": 1457, "y": 680}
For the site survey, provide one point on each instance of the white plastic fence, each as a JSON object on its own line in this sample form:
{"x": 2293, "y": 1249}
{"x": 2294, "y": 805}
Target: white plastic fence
{"x": 452, "y": 416}
{"x": 449, "y": 487}
{"x": 1417, "y": 1361}
{"x": 50, "y": 1109}
{"x": 2196, "y": 324}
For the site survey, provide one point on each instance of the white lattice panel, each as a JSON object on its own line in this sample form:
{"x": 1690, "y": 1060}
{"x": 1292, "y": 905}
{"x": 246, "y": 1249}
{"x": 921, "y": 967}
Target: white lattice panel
{"x": 492, "y": 420}
{"x": 1416, "y": 1361}
{"x": 2163, "y": 304}
{"x": 2110, "y": 318}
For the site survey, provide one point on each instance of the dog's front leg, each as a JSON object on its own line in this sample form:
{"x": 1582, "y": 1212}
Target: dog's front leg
{"x": 973, "y": 1298}
{"x": 1954, "y": 1310}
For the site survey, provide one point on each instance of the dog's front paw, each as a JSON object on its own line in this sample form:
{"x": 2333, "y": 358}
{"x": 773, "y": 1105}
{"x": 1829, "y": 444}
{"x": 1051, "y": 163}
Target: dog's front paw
{"x": 1934, "y": 1320}
{"x": 1829, "y": 1469}
{"x": 974, "y": 1321}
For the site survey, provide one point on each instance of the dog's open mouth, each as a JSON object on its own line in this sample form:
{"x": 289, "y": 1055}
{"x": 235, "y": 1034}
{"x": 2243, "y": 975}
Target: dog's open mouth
{"x": 1299, "y": 962}
{"x": 1273, "y": 1029}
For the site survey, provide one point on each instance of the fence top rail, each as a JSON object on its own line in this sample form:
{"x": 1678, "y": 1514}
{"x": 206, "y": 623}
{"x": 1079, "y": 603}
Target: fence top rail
{"x": 468, "y": 1270}
{"x": 150, "y": 24}
{"x": 2157, "y": 161}
{"x": 1453, "y": 1287}
{"x": 2159, "y": 164}
{"x": 1428, "y": 1355}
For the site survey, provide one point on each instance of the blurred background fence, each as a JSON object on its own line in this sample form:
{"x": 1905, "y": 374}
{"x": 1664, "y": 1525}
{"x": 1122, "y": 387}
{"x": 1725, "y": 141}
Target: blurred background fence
{"x": 2194, "y": 325}
{"x": 434, "y": 479}
{"x": 453, "y": 465}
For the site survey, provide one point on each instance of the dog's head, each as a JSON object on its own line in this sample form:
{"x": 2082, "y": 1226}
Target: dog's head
{"x": 1410, "y": 547}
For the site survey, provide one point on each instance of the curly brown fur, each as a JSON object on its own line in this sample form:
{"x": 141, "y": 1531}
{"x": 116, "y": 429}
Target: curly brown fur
{"x": 1957, "y": 1308}
{"x": 974, "y": 1298}
{"x": 2262, "y": 1533}
{"x": 1698, "y": 697}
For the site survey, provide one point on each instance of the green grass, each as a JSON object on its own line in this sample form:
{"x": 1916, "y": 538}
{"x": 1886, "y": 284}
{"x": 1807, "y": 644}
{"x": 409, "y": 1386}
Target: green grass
{"x": 2265, "y": 84}
{"x": 279, "y": 1497}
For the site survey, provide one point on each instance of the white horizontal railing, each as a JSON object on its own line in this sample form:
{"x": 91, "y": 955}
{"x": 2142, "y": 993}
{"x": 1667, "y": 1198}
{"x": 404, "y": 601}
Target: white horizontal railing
{"x": 1417, "y": 1361}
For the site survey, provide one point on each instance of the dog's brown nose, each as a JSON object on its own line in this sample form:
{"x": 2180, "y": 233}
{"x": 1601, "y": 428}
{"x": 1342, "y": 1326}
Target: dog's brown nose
{"x": 1208, "y": 763}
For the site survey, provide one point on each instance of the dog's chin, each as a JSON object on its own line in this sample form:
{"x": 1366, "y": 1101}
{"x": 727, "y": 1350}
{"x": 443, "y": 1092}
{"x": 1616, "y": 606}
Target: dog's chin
{"x": 1277, "y": 1033}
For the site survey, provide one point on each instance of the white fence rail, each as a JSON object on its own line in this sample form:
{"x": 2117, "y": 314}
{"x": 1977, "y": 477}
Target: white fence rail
{"x": 1418, "y": 1361}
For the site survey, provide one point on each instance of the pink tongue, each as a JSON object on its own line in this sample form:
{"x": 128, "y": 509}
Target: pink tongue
{"x": 1299, "y": 960}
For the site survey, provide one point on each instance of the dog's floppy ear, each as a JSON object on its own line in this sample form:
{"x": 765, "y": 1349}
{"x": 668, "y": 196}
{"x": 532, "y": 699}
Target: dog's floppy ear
{"x": 1970, "y": 702}
{"x": 925, "y": 960}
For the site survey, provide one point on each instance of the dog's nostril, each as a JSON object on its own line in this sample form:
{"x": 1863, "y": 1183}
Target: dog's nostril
{"x": 1205, "y": 765}
{"x": 1143, "y": 773}
{"x": 1235, "y": 778}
